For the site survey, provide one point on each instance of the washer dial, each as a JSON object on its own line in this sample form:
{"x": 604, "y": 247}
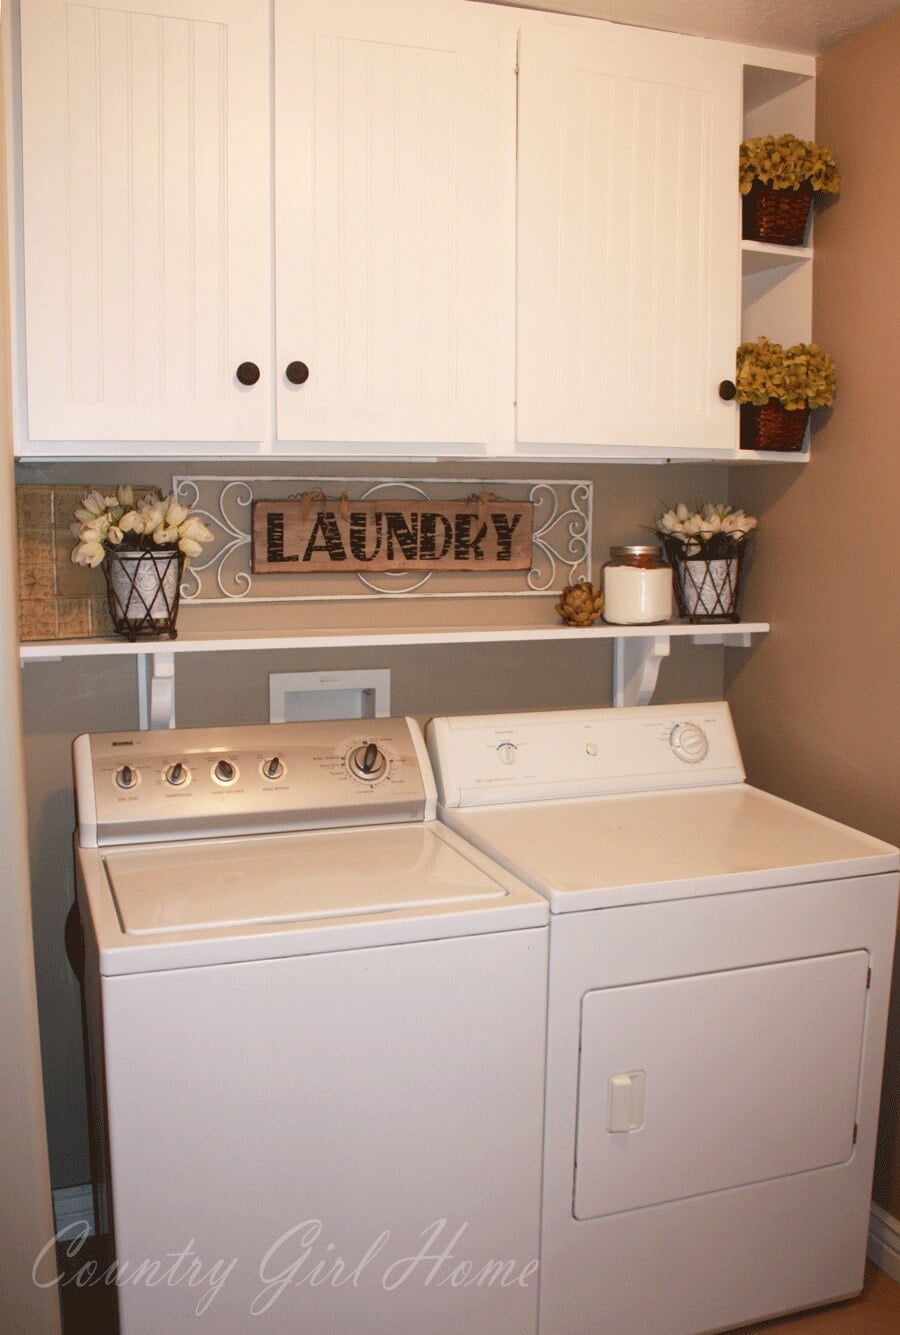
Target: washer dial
{"x": 225, "y": 772}
{"x": 368, "y": 762}
{"x": 506, "y": 752}
{"x": 127, "y": 777}
{"x": 178, "y": 774}
{"x": 689, "y": 742}
{"x": 272, "y": 769}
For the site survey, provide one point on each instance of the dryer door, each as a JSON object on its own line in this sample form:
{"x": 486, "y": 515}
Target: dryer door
{"x": 700, "y": 1084}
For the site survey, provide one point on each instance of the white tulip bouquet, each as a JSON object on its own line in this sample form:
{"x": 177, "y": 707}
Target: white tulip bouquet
{"x": 154, "y": 522}
{"x": 706, "y": 545}
{"x": 705, "y": 526}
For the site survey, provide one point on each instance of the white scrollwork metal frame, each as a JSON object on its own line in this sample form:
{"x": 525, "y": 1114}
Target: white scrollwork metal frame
{"x": 561, "y": 536}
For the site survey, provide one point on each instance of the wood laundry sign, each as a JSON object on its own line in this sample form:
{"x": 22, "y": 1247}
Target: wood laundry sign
{"x": 314, "y": 534}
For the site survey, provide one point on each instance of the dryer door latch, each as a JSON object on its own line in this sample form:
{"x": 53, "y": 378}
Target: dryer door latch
{"x": 627, "y": 1094}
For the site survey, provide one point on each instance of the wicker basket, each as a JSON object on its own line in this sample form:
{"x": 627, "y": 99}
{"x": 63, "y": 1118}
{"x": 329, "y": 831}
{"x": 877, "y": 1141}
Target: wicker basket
{"x": 772, "y": 427}
{"x": 777, "y": 216}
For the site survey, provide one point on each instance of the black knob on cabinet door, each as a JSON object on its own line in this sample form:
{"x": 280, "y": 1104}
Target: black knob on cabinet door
{"x": 297, "y": 373}
{"x": 727, "y": 390}
{"x": 247, "y": 373}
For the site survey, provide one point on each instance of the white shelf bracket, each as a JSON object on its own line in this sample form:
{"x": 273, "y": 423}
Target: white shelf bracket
{"x": 636, "y": 661}
{"x": 156, "y": 690}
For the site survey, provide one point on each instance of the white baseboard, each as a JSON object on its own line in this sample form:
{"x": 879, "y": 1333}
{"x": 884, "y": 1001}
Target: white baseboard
{"x": 73, "y": 1206}
{"x": 884, "y": 1242}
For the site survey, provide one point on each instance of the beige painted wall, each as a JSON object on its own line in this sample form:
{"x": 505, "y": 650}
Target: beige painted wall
{"x": 817, "y": 706}
{"x": 62, "y": 699}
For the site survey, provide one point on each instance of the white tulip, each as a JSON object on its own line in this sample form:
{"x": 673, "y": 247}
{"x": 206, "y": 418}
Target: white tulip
{"x": 190, "y": 547}
{"x": 88, "y": 554}
{"x": 167, "y": 533}
{"x": 669, "y": 522}
{"x": 154, "y": 516}
{"x": 114, "y": 535}
{"x": 176, "y": 514}
{"x": 682, "y": 511}
{"x": 125, "y": 496}
{"x": 195, "y": 529}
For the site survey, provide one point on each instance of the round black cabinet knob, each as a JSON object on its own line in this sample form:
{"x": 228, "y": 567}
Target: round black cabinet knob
{"x": 727, "y": 390}
{"x": 247, "y": 373}
{"x": 297, "y": 373}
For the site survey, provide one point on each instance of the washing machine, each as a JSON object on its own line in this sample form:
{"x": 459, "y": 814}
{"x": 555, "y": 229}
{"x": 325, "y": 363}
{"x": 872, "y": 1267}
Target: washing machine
{"x": 720, "y": 965}
{"x": 317, "y": 1021}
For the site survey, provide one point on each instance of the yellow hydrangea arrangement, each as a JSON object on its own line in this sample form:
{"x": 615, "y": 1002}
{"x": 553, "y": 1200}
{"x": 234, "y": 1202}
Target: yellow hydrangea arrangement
{"x": 787, "y": 163}
{"x": 798, "y": 377}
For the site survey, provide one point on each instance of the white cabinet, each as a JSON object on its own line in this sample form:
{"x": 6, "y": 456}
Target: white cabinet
{"x": 629, "y": 267}
{"x": 388, "y": 124}
{"x": 147, "y": 152}
{"x": 146, "y": 238}
{"x": 353, "y": 197}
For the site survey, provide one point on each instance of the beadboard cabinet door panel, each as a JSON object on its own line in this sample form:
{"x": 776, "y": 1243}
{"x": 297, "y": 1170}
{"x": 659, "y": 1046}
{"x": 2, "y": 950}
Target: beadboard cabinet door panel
{"x": 629, "y": 268}
{"x": 146, "y": 178}
{"x": 389, "y": 136}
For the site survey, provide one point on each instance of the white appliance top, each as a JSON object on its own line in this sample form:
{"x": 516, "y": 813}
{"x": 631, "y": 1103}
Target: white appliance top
{"x": 653, "y": 808}
{"x": 226, "y": 845}
{"x": 213, "y": 901}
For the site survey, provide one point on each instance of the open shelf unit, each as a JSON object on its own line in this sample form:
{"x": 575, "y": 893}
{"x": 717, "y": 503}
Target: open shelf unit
{"x": 638, "y": 652}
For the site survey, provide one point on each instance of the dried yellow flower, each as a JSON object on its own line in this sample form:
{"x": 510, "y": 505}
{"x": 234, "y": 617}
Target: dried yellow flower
{"x": 799, "y": 376}
{"x": 786, "y": 163}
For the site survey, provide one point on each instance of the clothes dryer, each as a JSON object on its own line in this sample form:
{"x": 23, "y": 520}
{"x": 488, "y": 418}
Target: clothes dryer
{"x": 720, "y": 965}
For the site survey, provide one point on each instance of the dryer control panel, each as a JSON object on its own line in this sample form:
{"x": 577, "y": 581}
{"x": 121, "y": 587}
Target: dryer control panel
{"x": 187, "y": 783}
{"x": 487, "y": 759}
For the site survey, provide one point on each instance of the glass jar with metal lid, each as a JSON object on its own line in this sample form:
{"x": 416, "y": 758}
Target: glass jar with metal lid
{"x": 637, "y": 587}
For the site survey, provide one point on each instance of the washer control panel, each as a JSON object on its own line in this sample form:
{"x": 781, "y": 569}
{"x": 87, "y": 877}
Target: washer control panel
{"x": 582, "y": 753}
{"x": 192, "y": 782}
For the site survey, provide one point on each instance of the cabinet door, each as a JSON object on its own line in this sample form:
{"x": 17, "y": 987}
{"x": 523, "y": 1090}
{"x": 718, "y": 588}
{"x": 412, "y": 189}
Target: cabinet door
{"x": 146, "y": 207}
{"x": 389, "y": 176}
{"x": 629, "y": 258}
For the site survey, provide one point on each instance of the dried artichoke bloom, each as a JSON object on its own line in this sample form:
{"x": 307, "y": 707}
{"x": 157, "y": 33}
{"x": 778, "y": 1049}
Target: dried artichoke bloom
{"x": 579, "y": 604}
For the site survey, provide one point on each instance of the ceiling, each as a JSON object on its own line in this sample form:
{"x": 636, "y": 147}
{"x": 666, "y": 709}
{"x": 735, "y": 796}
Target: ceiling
{"x": 810, "y": 26}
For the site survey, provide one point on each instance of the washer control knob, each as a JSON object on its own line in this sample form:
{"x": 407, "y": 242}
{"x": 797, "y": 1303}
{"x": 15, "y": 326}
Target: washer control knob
{"x": 591, "y": 748}
{"x": 224, "y": 771}
{"x": 507, "y": 752}
{"x": 126, "y": 777}
{"x": 273, "y": 768}
{"x": 689, "y": 743}
{"x": 177, "y": 774}
{"x": 367, "y": 762}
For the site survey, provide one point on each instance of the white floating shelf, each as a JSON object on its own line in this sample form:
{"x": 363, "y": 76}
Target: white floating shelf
{"x": 639, "y": 650}
{"x": 759, "y": 256}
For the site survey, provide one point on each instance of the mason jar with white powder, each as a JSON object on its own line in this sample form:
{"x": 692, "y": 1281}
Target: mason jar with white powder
{"x": 637, "y": 587}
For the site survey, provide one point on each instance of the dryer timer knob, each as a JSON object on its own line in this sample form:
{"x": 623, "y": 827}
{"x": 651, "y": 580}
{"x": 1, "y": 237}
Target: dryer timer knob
{"x": 689, "y": 743}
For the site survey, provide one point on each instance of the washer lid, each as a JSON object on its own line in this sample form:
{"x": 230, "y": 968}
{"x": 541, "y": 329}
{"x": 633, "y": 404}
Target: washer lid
{"x": 237, "y": 883}
{"x": 606, "y": 851}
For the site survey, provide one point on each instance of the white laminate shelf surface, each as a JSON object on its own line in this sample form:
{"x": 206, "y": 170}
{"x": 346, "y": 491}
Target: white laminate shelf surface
{"x": 638, "y": 652}
{"x": 212, "y": 641}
